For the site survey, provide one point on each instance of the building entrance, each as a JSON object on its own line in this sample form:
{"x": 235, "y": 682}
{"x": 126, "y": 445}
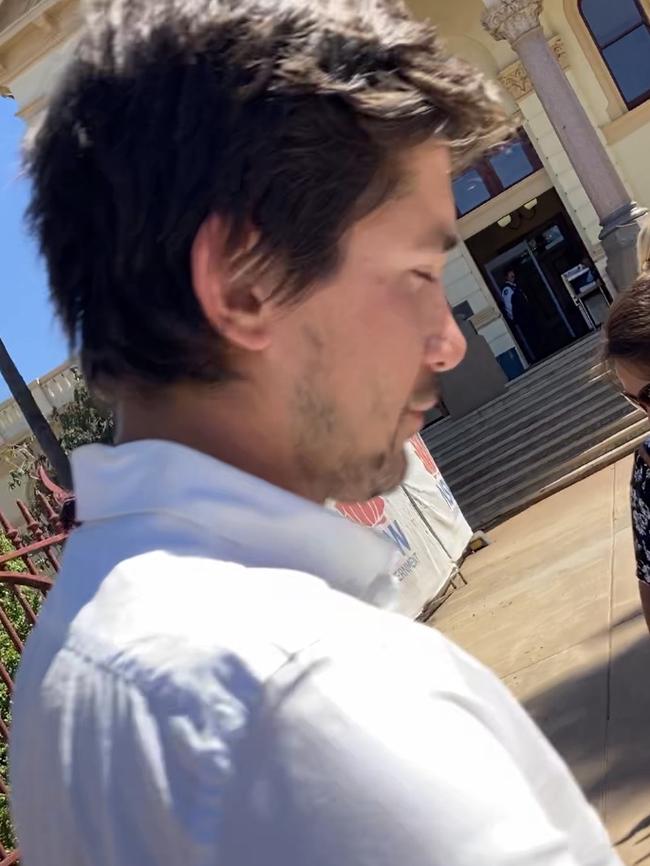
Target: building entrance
{"x": 541, "y": 277}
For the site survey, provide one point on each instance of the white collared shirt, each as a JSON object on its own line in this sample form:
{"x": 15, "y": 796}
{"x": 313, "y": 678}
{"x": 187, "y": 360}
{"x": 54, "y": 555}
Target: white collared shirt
{"x": 507, "y": 296}
{"x": 211, "y": 683}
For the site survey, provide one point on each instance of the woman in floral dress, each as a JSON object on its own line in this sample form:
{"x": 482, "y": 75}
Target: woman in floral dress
{"x": 640, "y": 494}
{"x": 627, "y": 350}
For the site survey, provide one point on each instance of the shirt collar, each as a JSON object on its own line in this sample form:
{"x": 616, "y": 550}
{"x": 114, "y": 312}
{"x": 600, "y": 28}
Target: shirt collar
{"x": 276, "y": 528}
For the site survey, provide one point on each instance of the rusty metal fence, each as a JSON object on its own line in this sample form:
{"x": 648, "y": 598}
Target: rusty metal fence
{"x": 29, "y": 562}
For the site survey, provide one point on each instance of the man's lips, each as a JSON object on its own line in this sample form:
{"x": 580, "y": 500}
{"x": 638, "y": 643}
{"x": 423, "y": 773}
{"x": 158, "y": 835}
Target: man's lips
{"x": 423, "y": 405}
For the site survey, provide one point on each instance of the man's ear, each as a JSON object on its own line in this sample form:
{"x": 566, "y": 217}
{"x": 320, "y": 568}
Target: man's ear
{"x": 235, "y": 306}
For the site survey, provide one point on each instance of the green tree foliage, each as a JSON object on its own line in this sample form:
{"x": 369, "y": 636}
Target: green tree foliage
{"x": 80, "y": 422}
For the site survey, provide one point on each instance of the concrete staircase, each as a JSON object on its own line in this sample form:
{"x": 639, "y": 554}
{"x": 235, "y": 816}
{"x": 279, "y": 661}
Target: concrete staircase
{"x": 556, "y": 424}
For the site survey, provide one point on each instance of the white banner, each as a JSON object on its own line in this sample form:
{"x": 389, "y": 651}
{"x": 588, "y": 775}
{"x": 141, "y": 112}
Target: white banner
{"x": 425, "y": 524}
{"x": 430, "y": 494}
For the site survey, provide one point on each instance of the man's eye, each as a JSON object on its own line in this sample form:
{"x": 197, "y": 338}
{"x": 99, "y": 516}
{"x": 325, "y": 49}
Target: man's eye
{"x": 423, "y": 275}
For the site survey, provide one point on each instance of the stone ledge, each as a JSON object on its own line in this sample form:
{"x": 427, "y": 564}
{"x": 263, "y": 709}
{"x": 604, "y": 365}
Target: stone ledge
{"x": 25, "y": 39}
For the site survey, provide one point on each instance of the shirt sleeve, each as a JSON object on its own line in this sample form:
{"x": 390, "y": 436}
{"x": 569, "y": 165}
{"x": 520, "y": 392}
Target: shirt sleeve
{"x": 365, "y": 772}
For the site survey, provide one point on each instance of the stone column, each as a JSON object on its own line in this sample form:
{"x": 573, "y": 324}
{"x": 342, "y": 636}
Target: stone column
{"x": 517, "y": 21}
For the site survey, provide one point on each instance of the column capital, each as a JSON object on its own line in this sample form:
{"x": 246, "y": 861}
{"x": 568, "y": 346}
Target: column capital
{"x": 512, "y": 19}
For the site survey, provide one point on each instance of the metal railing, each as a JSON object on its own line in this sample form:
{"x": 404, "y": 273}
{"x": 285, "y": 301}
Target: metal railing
{"x": 28, "y": 568}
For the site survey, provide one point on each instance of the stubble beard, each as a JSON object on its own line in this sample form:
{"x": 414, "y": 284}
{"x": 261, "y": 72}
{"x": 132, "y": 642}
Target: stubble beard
{"x": 331, "y": 459}
{"x": 332, "y": 464}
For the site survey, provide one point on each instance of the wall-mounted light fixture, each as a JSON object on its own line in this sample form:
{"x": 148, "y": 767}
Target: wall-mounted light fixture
{"x": 514, "y": 220}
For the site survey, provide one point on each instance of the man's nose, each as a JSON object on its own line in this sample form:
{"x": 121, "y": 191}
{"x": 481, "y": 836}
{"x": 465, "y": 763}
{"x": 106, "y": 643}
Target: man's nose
{"x": 445, "y": 349}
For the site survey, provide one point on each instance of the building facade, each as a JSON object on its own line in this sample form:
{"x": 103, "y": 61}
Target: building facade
{"x": 52, "y": 392}
{"x": 555, "y": 210}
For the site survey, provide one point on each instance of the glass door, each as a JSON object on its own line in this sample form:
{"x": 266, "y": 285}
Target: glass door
{"x": 530, "y": 306}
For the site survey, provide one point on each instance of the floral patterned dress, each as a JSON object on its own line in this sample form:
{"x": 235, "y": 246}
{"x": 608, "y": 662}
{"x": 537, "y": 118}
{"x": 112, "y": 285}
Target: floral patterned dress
{"x": 640, "y": 498}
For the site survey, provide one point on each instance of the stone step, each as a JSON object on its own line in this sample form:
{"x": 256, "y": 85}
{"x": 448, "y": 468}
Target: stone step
{"x": 490, "y": 503}
{"x": 614, "y": 452}
{"x": 557, "y": 393}
{"x": 446, "y": 433}
{"x": 544, "y": 454}
{"x": 553, "y": 424}
{"x": 586, "y": 351}
{"x": 556, "y": 411}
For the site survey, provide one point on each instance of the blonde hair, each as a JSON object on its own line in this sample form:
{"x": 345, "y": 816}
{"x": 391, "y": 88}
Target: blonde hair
{"x": 643, "y": 248}
{"x": 627, "y": 332}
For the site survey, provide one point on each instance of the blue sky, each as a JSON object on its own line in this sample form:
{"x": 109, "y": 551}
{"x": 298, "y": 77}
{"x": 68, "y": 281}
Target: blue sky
{"x": 26, "y": 321}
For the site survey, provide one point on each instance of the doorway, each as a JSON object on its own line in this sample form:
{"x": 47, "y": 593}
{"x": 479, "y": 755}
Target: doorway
{"x": 527, "y": 266}
{"x": 533, "y": 313}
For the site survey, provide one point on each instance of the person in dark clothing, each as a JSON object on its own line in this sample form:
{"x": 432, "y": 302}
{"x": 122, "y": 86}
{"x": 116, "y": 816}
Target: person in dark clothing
{"x": 519, "y": 314}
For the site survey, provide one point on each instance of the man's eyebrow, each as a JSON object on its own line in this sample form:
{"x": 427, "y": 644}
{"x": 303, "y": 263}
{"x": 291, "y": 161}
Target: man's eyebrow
{"x": 450, "y": 241}
{"x": 439, "y": 239}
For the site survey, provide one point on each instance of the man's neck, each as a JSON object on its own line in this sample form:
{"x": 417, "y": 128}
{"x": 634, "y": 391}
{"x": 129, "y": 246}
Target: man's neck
{"x": 210, "y": 420}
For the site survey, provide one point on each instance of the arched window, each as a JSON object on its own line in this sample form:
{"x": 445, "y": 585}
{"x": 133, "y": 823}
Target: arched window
{"x": 621, "y": 30}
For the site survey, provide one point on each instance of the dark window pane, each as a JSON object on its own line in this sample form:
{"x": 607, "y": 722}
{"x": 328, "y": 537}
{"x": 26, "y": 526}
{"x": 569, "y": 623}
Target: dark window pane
{"x": 629, "y": 61}
{"x": 470, "y": 191}
{"x": 463, "y": 311}
{"x": 511, "y": 164}
{"x": 609, "y": 19}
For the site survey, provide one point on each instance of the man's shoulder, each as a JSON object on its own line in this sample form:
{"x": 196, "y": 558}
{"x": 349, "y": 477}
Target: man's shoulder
{"x": 172, "y": 621}
{"x": 175, "y": 611}
{"x": 164, "y": 610}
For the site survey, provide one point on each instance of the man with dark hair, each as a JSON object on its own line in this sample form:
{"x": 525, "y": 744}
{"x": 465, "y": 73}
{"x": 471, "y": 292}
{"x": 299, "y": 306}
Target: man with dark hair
{"x": 245, "y": 208}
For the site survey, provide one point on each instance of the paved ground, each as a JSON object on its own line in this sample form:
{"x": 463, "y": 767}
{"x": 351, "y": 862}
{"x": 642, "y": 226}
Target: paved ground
{"x": 553, "y": 607}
